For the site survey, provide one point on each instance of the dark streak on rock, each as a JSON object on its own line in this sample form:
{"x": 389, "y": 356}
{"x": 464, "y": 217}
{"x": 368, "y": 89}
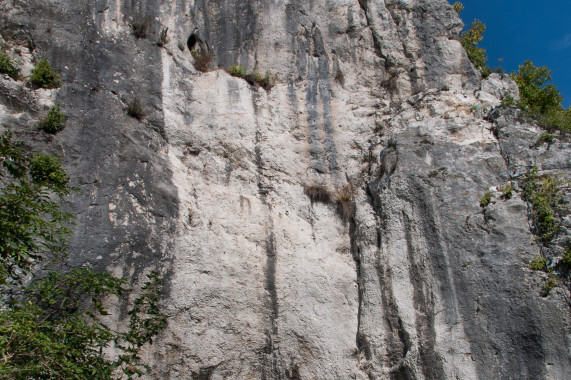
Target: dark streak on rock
{"x": 423, "y": 300}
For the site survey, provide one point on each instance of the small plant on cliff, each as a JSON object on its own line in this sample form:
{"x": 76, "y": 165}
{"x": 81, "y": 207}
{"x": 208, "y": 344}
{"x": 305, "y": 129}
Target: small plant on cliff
{"x": 470, "y": 41}
{"x": 253, "y": 77}
{"x": 55, "y": 120}
{"x": 507, "y": 101}
{"x": 344, "y": 202}
{"x": 163, "y": 39}
{"x": 7, "y": 66}
{"x": 538, "y": 263}
{"x": 507, "y": 191}
{"x": 486, "y": 199}
{"x": 45, "y": 169}
{"x": 544, "y": 194}
{"x": 202, "y": 59}
{"x": 135, "y": 108}
{"x": 140, "y": 28}
{"x": 44, "y": 75}
{"x": 566, "y": 258}
{"x": 317, "y": 193}
{"x": 549, "y": 285}
{"x": 238, "y": 71}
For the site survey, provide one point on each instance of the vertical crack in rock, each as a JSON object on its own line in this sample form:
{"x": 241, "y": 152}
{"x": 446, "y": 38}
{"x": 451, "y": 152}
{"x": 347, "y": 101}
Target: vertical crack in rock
{"x": 376, "y": 42}
{"x": 322, "y": 147}
{"x": 270, "y": 357}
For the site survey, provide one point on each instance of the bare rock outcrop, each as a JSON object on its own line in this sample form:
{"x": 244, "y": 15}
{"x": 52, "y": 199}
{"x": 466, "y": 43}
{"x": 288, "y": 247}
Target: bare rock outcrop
{"x": 392, "y": 271}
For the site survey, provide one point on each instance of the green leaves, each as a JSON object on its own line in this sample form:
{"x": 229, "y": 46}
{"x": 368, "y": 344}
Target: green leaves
{"x": 47, "y": 170}
{"x": 544, "y": 194}
{"x": 7, "y": 66}
{"x": 539, "y": 96}
{"x": 458, "y": 7}
{"x": 53, "y": 328}
{"x": 55, "y": 121}
{"x": 48, "y": 334}
{"x": 44, "y": 75}
{"x": 31, "y": 225}
{"x": 470, "y": 41}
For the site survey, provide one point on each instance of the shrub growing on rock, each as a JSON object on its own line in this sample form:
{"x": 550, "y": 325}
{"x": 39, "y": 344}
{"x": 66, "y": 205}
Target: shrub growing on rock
{"x": 202, "y": 59}
{"x": 253, "y": 77}
{"x": 470, "y": 41}
{"x": 52, "y": 328}
{"x": 55, "y": 120}
{"x": 163, "y": 38}
{"x": 7, "y": 66}
{"x": 540, "y": 97}
{"x": 238, "y": 71}
{"x": 140, "y": 28}
{"x": 538, "y": 263}
{"x": 46, "y": 169}
{"x": 486, "y": 199}
{"x": 44, "y": 75}
{"x": 135, "y": 108}
{"x": 544, "y": 194}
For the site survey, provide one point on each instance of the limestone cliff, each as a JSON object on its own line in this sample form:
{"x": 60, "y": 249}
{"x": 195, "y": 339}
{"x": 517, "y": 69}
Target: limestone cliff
{"x": 326, "y": 228}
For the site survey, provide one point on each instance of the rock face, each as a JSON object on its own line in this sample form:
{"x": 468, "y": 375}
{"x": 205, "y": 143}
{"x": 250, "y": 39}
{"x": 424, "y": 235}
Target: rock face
{"x": 389, "y": 269}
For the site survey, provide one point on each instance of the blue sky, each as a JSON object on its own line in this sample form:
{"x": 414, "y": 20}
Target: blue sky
{"x": 517, "y": 30}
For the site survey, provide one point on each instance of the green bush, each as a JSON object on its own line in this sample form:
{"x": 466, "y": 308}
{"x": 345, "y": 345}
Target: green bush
{"x": 238, "y": 71}
{"x": 253, "y": 77}
{"x": 545, "y": 138}
{"x": 47, "y": 169}
{"x": 44, "y": 75}
{"x": 507, "y": 191}
{"x": 7, "y": 66}
{"x": 55, "y": 120}
{"x": 458, "y": 7}
{"x": 550, "y": 284}
{"x": 545, "y": 196}
{"x": 538, "y": 263}
{"x": 486, "y": 199}
{"x": 508, "y": 101}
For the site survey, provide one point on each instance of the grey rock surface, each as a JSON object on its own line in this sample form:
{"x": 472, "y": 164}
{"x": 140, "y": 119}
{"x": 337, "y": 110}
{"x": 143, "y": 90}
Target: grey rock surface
{"x": 402, "y": 275}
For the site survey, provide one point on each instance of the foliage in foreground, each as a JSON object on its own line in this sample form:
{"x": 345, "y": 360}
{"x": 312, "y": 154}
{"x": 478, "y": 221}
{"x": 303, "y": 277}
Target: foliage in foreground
{"x": 31, "y": 223}
{"x": 54, "y": 327}
{"x": 47, "y": 332}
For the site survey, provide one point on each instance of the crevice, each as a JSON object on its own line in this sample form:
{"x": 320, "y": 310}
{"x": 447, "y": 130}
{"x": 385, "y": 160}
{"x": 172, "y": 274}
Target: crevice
{"x": 376, "y": 42}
